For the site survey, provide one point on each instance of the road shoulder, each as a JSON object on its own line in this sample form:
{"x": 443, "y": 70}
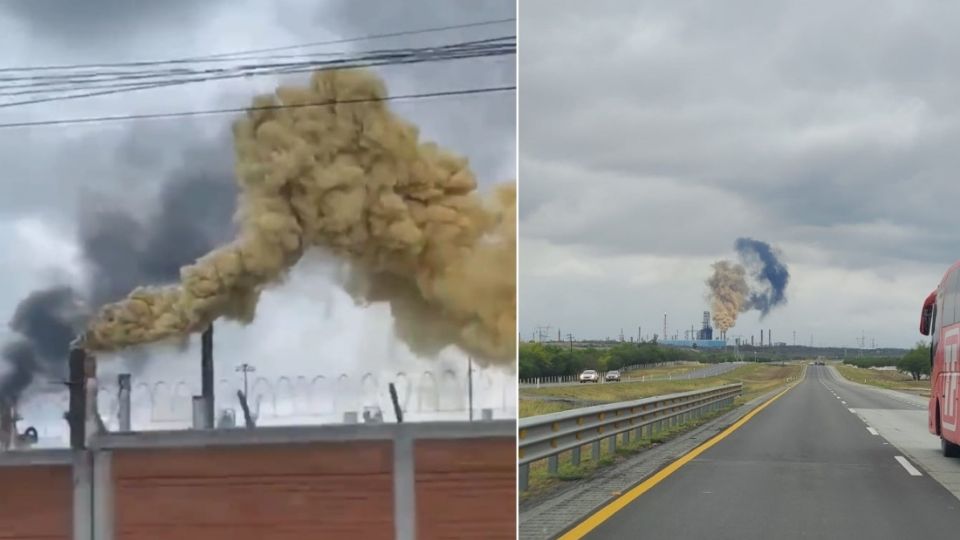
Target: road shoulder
{"x": 906, "y": 430}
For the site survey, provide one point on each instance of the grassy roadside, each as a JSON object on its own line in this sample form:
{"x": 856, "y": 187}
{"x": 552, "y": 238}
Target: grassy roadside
{"x": 757, "y": 379}
{"x": 892, "y": 380}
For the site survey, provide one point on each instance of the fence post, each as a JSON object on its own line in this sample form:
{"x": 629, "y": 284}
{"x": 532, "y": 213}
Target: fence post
{"x": 595, "y": 451}
{"x": 575, "y": 456}
{"x": 200, "y": 413}
{"x": 552, "y": 464}
{"x": 523, "y": 473}
{"x": 123, "y": 411}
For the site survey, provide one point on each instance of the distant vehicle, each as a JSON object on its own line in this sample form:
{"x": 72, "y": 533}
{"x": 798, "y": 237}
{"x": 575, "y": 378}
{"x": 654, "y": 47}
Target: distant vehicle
{"x": 940, "y": 319}
{"x": 589, "y": 376}
{"x": 613, "y": 376}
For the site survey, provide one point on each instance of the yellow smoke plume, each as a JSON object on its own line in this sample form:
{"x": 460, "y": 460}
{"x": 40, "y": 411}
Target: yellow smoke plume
{"x": 728, "y": 293}
{"x": 351, "y": 177}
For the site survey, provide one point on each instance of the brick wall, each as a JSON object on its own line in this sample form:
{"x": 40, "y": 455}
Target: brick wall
{"x": 36, "y": 502}
{"x": 466, "y": 488}
{"x": 330, "y": 490}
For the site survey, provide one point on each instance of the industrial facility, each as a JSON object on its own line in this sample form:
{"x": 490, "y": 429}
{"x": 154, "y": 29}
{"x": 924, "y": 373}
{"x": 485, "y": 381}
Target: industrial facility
{"x": 698, "y": 339}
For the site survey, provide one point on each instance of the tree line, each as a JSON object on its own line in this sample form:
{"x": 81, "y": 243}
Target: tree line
{"x": 916, "y": 362}
{"x": 538, "y": 360}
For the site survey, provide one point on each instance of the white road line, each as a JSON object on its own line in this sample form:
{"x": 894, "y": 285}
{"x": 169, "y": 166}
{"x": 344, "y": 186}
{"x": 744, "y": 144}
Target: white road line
{"x": 907, "y": 465}
{"x": 853, "y": 411}
{"x": 872, "y": 431}
{"x": 843, "y": 402}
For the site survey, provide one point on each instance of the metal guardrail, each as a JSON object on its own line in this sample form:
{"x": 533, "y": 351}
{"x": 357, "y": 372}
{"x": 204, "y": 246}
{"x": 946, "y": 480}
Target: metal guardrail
{"x": 549, "y": 435}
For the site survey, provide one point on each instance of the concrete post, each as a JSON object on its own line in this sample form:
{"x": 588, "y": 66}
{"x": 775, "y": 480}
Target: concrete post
{"x": 123, "y": 412}
{"x": 523, "y": 476}
{"x": 200, "y": 413}
{"x": 552, "y": 464}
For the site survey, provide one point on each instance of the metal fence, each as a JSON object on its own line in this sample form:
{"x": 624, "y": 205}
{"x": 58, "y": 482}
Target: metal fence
{"x": 545, "y": 437}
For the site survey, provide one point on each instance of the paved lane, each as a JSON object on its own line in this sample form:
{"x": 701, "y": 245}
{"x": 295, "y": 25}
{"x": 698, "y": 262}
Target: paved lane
{"x": 804, "y": 467}
{"x": 900, "y": 419}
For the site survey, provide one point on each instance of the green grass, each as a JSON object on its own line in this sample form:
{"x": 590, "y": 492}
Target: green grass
{"x": 893, "y": 380}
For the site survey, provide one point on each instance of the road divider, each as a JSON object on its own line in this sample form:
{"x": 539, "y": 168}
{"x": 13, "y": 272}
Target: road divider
{"x": 545, "y": 437}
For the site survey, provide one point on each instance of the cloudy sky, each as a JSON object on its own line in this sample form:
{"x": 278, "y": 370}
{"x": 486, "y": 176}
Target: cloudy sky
{"x": 653, "y": 134}
{"x": 54, "y": 176}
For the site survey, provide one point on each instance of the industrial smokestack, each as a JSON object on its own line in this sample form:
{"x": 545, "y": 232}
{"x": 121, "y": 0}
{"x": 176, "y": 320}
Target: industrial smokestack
{"x": 206, "y": 375}
{"x": 769, "y": 338}
{"x": 8, "y": 424}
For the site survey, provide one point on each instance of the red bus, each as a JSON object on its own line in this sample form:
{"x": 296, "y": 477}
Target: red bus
{"x": 940, "y": 318}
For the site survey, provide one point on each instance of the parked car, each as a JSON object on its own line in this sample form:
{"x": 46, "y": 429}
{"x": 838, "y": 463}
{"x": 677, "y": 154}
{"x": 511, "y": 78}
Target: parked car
{"x": 613, "y": 376}
{"x": 589, "y": 376}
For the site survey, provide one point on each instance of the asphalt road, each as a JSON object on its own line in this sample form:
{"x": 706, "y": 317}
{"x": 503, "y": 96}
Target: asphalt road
{"x": 804, "y": 467}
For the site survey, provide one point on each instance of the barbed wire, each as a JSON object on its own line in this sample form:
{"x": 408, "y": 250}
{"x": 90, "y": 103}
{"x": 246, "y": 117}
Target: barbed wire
{"x": 287, "y": 399}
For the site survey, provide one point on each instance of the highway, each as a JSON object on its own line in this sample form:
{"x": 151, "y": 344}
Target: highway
{"x": 809, "y": 465}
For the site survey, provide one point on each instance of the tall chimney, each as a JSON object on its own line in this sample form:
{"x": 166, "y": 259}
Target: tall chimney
{"x": 206, "y": 375}
{"x": 769, "y": 338}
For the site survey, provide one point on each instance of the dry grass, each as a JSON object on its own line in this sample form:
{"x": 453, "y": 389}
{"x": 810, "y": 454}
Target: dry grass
{"x": 535, "y": 407}
{"x": 757, "y": 379}
{"x": 893, "y": 380}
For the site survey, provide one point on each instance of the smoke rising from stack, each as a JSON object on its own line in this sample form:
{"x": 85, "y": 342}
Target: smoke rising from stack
{"x": 729, "y": 291}
{"x": 354, "y": 179}
{"x": 119, "y": 251}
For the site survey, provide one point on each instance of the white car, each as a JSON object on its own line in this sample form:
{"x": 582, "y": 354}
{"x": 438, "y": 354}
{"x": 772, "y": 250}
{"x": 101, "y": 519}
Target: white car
{"x": 589, "y": 376}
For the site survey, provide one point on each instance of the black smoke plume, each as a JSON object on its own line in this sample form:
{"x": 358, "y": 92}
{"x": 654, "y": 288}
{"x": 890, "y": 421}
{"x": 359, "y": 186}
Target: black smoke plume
{"x": 770, "y": 274}
{"x": 121, "y": 250}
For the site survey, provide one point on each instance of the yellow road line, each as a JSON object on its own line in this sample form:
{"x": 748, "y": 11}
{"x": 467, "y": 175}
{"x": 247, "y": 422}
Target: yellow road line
{"x": 605, "y": 513}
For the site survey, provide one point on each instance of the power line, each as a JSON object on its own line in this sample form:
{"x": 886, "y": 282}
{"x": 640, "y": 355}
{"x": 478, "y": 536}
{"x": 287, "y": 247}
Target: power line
{"x": 474, "y": 49}
{"x": 154, "y": 116}
{"x": 258, "y": 51}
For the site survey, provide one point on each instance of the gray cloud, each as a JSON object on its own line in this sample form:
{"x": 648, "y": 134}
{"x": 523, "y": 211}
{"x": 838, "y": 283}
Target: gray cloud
{"x": 92, "y": 24}
{"x": 669, "y": 129}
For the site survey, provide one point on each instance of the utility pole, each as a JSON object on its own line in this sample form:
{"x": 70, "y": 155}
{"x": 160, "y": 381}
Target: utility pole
{"x": 639, "y": 334}
{"x": 665, "y": 336}
{"x": 245, "y": 368}
{"x": 542, "y": 332}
